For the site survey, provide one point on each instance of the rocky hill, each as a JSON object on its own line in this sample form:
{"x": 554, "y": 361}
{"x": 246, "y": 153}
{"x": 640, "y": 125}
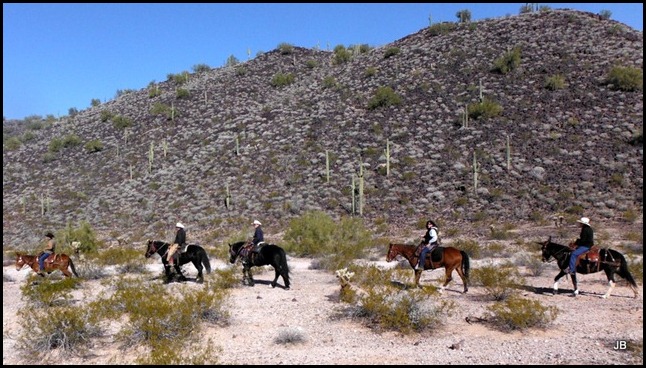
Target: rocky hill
{"x": 501, "y": 120}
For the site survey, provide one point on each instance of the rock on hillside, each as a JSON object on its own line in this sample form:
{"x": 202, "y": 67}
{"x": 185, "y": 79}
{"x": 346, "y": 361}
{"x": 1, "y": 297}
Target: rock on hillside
{"x": 261, "y": 130}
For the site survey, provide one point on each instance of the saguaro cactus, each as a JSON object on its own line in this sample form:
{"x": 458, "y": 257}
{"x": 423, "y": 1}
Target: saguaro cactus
{"x": 237, "y": 147}
{"x": 151, "y": 156}
{"x": 387, "y": 153}
{"x": 164, "y": 147}
{"x": 361, "y": 200}
{"x": 476, "y": 168}
{"x": 352, "y": 186}
{"x": 327, "y": 166}
{"x": 227, "y": 199}
{"x": 508, "y": 154}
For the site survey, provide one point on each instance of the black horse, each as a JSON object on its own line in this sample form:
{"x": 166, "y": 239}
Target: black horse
{"x": 269, "y": 254}
{"x": 194, "y": 253}
{"x": 608, "y": 260}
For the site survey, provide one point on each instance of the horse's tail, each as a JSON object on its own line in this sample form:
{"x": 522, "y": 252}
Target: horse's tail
{"x": 465, "y": 263}
{"x": 284, "y": 268}
{"x": 623, "y": 270}
{"x": 72, "y": 267}
{"x": 205, "y": 261}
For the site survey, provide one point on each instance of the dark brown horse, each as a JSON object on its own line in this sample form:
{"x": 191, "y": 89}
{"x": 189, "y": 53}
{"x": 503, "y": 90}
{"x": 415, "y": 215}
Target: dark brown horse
{"x": 55, "y": 261}
{"x": 448, "y": 257}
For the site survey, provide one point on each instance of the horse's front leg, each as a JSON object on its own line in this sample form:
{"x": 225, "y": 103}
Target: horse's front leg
{"x": 556, "y": 282}
{"x": 249, "y": 276}
{"x": 418, "y": 274}
{"x": 178, "y": 271}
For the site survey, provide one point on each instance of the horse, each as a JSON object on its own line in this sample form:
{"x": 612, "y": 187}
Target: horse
{"x": 194, "y": 253}
{"x": 448, "y": 257}
{"x": 269, "y": 254}
{"x": 608, "y": 260}
{"x": 55, "y": 261}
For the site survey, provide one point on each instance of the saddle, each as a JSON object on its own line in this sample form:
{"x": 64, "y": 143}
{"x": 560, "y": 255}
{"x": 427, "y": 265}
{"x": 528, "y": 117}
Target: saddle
{"x": 590, "y": 259}
{"x": 436, "y": 254}
{"x": 51, "y": 259}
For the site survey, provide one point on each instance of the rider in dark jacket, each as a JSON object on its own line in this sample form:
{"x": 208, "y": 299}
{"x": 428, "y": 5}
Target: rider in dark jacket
{"x": 583, "y": 243}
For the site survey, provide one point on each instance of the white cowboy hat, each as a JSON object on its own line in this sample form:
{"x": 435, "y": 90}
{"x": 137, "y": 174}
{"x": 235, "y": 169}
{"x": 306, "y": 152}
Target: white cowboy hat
{"x": 179, "y": 224}
{"x": 256, "y": 222}
{"x": 584, "y": 220}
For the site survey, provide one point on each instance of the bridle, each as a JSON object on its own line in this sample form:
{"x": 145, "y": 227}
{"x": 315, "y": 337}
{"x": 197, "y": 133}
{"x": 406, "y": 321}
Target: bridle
{"x": 551, "y": 255}
{"x": 152, "y": 249}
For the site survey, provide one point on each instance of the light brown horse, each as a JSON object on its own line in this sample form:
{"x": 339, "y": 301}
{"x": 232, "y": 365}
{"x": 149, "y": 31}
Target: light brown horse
{"x": 448, "y": 257}
{"x": 55, "y": 261}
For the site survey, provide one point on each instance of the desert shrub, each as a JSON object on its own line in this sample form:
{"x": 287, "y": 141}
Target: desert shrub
{"x": 82, "y": 233}
{"x": 441, "y": 28}
{"x": 192, "y": 353}
{"x": 90, "y": 271}
{"x": 121, "y": 122}
{"x": 47, "y": 292}
{"x": 55, "y": 145}
{"x": 555, "y": 82}
{"x": 516, "y": 313}
{"x": 495, "y": 250}
{"x": 225, "y": 278}
{"x": 627, "y": 79}
{"x": 508, "y": 62}
{"x": 384, "y": 97}
{"x": 534, "y": 264}
{"x": 94, "y": 145}
{"x": 329, "y": 82}
{"x": 636, "y": 268}
{"x": 200, "y": 68}
{"x": 106, "y": 115}
{"x": 117, "y": 255}
{"x": 370, "y": 71}
{"x": 71, "y": 140}
{"x": 69, "y": 329}
{"x": 404, "y": 312}
{"x": 311, "y": 64}
{"x": 391, "y": 51}
{"x": 12, "y": 144}
{"x": 485, "y": 109}
{"x": 290, "y": 336}
{"x": 630, "y": 215}
{"x": 471, "y": 247}
{"x": 285, "y": 48}
{"x": 281, "y": 79}
{"x": 498, "y": 281}
{"x": 182, "y": 93}
{"x": 341, "y": 55}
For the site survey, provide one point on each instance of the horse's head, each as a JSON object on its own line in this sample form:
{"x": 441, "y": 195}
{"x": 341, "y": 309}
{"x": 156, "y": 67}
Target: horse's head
{"x": 20, "y": 261}
{"x": 152, "y": 248}
{"x": 234, "y": 251}
{"x": 392, "y": 253}
{"x": 545, "y": 252}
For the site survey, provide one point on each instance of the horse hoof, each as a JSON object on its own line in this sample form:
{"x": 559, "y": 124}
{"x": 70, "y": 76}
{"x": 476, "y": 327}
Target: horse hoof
{"x": 286, "y": 287}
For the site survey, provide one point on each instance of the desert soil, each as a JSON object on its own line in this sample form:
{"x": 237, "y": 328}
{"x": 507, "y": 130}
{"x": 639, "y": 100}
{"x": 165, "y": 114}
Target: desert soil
{"x": 586, "y": 331}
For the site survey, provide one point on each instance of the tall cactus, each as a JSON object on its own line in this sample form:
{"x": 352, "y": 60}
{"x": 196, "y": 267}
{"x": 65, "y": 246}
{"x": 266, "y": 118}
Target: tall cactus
{"x": 481, "y": 97}
{"x": 465, "y": 117}
{"x": 327, "y": 166}
{"x": 237, "y": 146}
{"x": 165, "y": 147}
{"x": 508, "y": 154}
{"x": 151, "y": 156}
{"x": 353, "y": 195}
{"x": 387, "y": 153}
{"x": 172, "y": 111}
{"x": 205, "y": 98}
{"x": 361, "y": 199}
{"x": 227, "y": 199}
{"x": 476, "y": 168}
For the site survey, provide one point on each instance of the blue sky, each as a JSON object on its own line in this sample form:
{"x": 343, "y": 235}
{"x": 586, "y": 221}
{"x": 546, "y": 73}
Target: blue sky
{"x": 61, "y": 56}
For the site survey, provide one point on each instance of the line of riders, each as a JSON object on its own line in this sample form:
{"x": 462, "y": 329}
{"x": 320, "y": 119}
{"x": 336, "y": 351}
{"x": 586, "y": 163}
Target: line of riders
{"x": 431, "y": 240}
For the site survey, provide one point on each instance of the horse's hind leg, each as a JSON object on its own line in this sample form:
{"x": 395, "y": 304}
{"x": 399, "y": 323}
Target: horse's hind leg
{"x": 276, "y": 275}
{"x": 611, "y": 282}
{"x": 464, "y": 279}
{"x": 447, "y": 279}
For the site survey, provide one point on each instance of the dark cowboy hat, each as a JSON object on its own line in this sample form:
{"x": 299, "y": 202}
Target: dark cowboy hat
{"x": 49, "y": 235}
{"x": 431, "y": 222}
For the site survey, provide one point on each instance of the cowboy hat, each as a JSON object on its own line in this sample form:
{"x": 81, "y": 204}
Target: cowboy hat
{"x": 584, "y": 221}
{"x": 179, "y": 224}
{"x": 256, "y": 222}
{"x": 49, "y": 235}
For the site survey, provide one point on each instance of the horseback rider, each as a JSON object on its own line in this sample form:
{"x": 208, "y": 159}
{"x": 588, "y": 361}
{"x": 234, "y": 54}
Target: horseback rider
{"x": 430, "y": 242}
{"x": 258, "y": 238}
{"x": 180, "y": 241}
{"x": 583, "y": 243}
{"x": 50, "y": 248}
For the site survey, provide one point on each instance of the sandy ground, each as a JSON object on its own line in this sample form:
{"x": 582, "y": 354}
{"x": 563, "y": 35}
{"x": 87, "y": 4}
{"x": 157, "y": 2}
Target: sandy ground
{"x": 586, "y": 330}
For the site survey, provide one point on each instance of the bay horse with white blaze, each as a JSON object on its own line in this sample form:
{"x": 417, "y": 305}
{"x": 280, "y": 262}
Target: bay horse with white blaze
{"x": 55, "y": 261}
{"x": 608, "y": 260}
{"x": 448, "y": 257}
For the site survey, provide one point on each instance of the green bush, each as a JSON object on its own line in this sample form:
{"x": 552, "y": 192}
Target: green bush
{"x": 384, "y": 96}
{"x": 341, "y": 55}
{"x": 391, "y": 51}
{"x": 69, "y": 329}
{"x": 55, "y": 145}
{"x": 555, "y": 82}
{"x": 94, "y": 145}
{"x": 485, "y": 109}
{"x": 182, "y": 93}
{"x": 329, "y": 82}
{"x": 12, "y": 144}
{"x": 627, "y": 79}
{"x": 471, "y": 247}
{"x": 281, "y": 79}
{"x": 499, "y": 281}
{"x": 441, "y": 28}
{"x": 121, "y": 122}
{"x": 516, "y": 313}
{"x": 285, "y": 48}
{"x": 47, "y": 292}
{"x": 508, "y": 62}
